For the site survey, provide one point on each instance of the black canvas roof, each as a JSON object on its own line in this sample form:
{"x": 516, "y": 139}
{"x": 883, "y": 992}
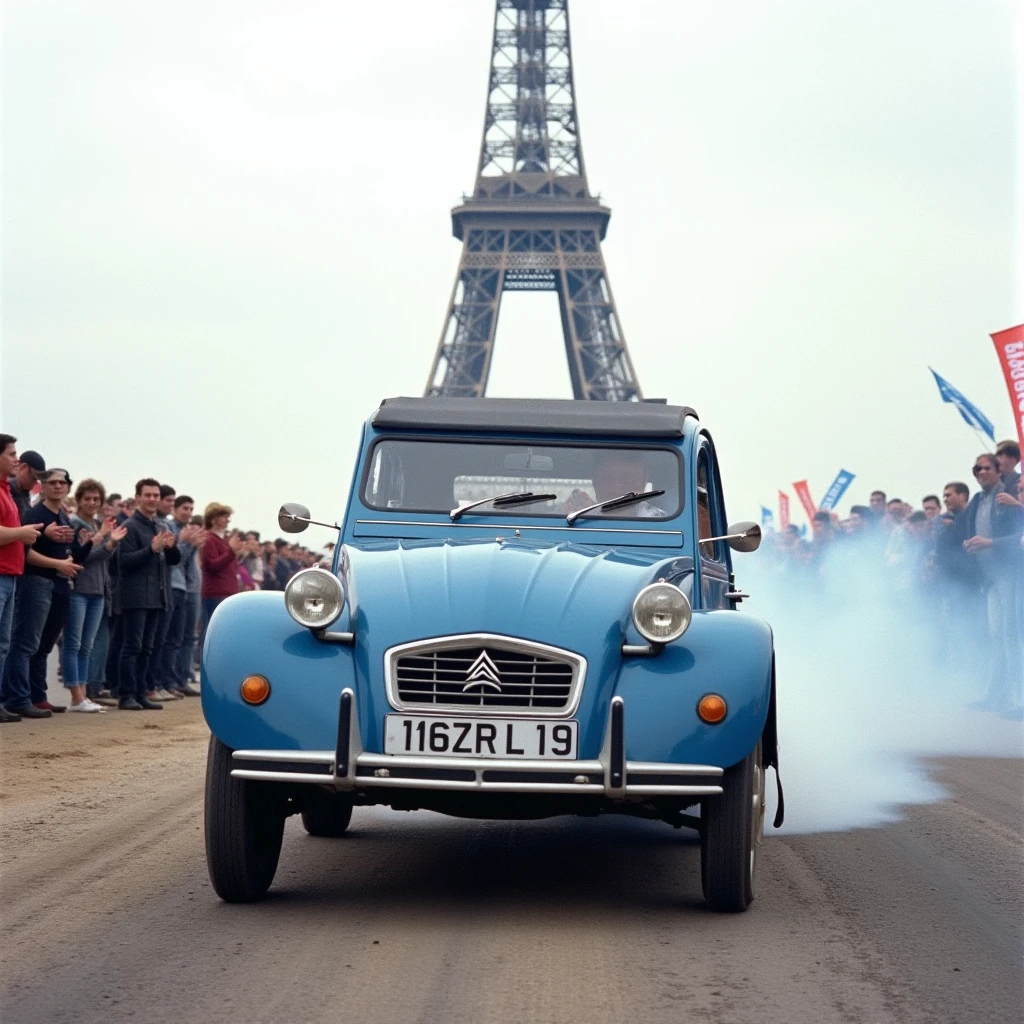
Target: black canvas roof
{"x": 534, "y": 416}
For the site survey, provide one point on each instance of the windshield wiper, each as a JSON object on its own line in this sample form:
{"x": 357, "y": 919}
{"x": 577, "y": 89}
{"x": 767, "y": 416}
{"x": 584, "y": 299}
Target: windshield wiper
{"x": 502, "y": 500}
{"x": 623, "y": 499}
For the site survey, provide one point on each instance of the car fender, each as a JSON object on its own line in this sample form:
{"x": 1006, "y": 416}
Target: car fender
{"x": 253, "y": 633}
{"x": 723, "y": 652}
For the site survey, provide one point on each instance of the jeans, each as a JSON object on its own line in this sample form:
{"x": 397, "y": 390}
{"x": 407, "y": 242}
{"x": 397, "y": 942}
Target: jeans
{"x": 183, "y": 670}
{"x": 8, "y": 586}
{"x": 139, "y": 626}
{"x": 1004, "y": 688}
{"x": 97, "y": 678}
{"x": 155, "y": 674}
{"x": 85, "y": 612}
{"x": 170, "y": 654}
{"x": 52, "y": 628}
{"x": 31, "y": 607}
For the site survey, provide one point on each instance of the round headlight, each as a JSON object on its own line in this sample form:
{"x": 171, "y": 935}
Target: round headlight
{"x": 661, "y": 613}
{"x": 314, "y": 598}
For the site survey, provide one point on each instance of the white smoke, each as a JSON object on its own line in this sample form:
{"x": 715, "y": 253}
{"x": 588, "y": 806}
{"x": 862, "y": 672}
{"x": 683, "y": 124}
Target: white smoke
{"x": 872, "y": 681}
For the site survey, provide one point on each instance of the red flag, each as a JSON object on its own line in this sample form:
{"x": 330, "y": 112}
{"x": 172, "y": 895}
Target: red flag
{"x": 1010, "y": 349}
{"x": 804, "y": 494}
{"x": 783, "y": 510}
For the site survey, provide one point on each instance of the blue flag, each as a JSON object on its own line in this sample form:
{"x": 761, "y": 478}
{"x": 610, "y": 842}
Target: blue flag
{"x": 767, "y": 519}
{"x": 971, "y": 414}
{"x": 836, "y": 491}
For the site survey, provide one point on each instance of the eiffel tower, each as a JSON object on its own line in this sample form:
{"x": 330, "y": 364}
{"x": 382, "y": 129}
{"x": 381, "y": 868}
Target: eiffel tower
{"x": 531, "y": 223}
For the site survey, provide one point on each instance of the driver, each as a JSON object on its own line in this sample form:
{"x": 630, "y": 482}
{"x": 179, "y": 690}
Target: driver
{"x": 617, "y": 473}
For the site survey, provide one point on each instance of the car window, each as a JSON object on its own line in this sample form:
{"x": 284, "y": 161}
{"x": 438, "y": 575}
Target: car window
{"x": 704, "y": 519}
{"x": 439, "y": 475}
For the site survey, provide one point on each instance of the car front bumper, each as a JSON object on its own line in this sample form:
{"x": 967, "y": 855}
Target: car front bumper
{"x": 349, "y": 768}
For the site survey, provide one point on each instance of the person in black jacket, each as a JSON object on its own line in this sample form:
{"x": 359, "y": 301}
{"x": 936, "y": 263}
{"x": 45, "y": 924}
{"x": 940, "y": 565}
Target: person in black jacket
{"x": 142, "y": 562}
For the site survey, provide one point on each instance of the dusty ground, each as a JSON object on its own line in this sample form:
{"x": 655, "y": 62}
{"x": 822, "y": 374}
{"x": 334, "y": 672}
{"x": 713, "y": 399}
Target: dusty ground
{"x": 107, "y": 914}
{"x": 60, "y": 777}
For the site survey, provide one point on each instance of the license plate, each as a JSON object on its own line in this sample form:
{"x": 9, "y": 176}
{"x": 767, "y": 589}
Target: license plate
{"x": 480, "y": 737}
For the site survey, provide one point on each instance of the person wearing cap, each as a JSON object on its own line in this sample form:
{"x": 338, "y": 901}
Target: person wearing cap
{"x": 24, "y": 478}
{"x": 13, "y": 539}
{"x": 43, "y": 595}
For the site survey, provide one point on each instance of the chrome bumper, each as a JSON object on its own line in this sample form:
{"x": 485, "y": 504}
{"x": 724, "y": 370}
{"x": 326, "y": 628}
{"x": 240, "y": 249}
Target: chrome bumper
{"x": 349, "y": 767}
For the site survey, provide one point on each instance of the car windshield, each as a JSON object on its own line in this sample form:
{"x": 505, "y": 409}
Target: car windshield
{"x": 440, "y": 476}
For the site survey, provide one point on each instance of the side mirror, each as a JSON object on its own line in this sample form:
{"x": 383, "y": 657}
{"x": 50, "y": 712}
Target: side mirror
{"x": 293, "y": 518}
{"x": 744, "y": 536}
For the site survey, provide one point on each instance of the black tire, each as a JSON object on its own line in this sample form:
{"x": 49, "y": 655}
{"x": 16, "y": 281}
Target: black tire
{"x": 326, "y": 814}
{"x": 733, "y": 825}
{"x": 244, "y": 828}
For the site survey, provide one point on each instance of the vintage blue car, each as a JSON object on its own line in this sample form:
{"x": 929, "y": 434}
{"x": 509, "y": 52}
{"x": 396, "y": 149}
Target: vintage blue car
{"x": 531, "y": 612}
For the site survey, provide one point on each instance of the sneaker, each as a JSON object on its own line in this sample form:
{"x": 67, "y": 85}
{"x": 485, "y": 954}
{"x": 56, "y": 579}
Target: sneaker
{"x": 45, "y": 705}
{"x": 106, "y": 702}
{"x": 146, "y": 704}
{"x": 33, "y": 712}
{"x": 129, "y": 704}
{"x": 161, "y": 695}
{"x": 188, "y": 690}
{"x": 8, "y": 716}
{"x": 86, "y": 706}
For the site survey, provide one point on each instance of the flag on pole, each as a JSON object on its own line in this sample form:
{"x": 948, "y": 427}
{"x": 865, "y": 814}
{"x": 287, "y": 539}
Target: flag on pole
{"x": 836, "y": 491}
{"x": 1010, "y": 349}
{"x": 783, "y": 510}
{"x": 971, "y": 414}
{"x": 767, "y": 518}
{"x": 803, "y": 492}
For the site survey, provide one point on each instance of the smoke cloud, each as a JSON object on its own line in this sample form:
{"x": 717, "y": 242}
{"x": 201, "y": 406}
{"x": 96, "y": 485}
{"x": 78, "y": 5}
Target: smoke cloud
{"x": 876, "y": 671}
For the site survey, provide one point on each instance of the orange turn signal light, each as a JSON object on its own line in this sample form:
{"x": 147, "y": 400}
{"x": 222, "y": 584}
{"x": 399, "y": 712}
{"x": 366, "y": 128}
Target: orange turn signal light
{"x": 711, "y": 708}
{"x": 255, "y": 689}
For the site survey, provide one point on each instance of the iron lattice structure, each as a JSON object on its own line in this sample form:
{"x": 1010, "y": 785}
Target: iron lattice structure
{"x": 531, "y": 223}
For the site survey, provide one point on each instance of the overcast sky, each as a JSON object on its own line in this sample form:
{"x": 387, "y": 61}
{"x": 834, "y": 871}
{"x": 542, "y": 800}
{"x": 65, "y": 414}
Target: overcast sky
{"x": 226, "y": 230}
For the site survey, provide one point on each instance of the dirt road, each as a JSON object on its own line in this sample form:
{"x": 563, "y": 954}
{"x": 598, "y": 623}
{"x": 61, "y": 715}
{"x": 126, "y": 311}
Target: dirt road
{"x": 108, "y": 916}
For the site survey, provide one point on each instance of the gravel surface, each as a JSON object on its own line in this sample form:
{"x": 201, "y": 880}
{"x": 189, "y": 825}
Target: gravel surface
{"x": 108, "y": 915}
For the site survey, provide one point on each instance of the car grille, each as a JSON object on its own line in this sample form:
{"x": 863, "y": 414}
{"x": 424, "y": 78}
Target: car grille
{"x": 485, "y": 675}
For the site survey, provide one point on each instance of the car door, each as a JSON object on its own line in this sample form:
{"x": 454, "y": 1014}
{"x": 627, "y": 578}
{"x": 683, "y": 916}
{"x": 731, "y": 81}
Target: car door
{"x": 715, "y": 566}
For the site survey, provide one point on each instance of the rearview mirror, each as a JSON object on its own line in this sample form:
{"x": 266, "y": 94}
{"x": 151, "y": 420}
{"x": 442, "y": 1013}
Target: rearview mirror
{"x": 744, "y": 536}
{"x": 293, "y": 517}
{"x": 527, "y": 460}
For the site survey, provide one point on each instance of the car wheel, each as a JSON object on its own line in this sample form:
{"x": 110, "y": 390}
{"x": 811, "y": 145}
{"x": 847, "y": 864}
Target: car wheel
{"x": 326, "y": 814}
{"x": 733, "y": 828}
{"x": 244, "y": 828}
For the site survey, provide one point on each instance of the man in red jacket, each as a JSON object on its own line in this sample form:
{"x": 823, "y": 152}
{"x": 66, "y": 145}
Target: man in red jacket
{"x": 13, "y": 539}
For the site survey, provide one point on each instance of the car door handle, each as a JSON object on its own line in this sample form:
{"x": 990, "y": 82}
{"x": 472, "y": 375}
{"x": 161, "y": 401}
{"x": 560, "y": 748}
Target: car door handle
{"x": 736, "y": 595}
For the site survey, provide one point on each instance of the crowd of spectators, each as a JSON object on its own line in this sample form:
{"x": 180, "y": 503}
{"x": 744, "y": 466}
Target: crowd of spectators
{"x": 956, "y": 565}
{"x": 124, "y": 585}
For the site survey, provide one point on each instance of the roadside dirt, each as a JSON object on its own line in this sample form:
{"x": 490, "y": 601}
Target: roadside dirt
{"x": 59, "y": 776}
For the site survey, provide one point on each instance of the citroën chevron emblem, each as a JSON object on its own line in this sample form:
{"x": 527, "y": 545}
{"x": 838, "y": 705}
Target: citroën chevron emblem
{"x": 483, "y": 673}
